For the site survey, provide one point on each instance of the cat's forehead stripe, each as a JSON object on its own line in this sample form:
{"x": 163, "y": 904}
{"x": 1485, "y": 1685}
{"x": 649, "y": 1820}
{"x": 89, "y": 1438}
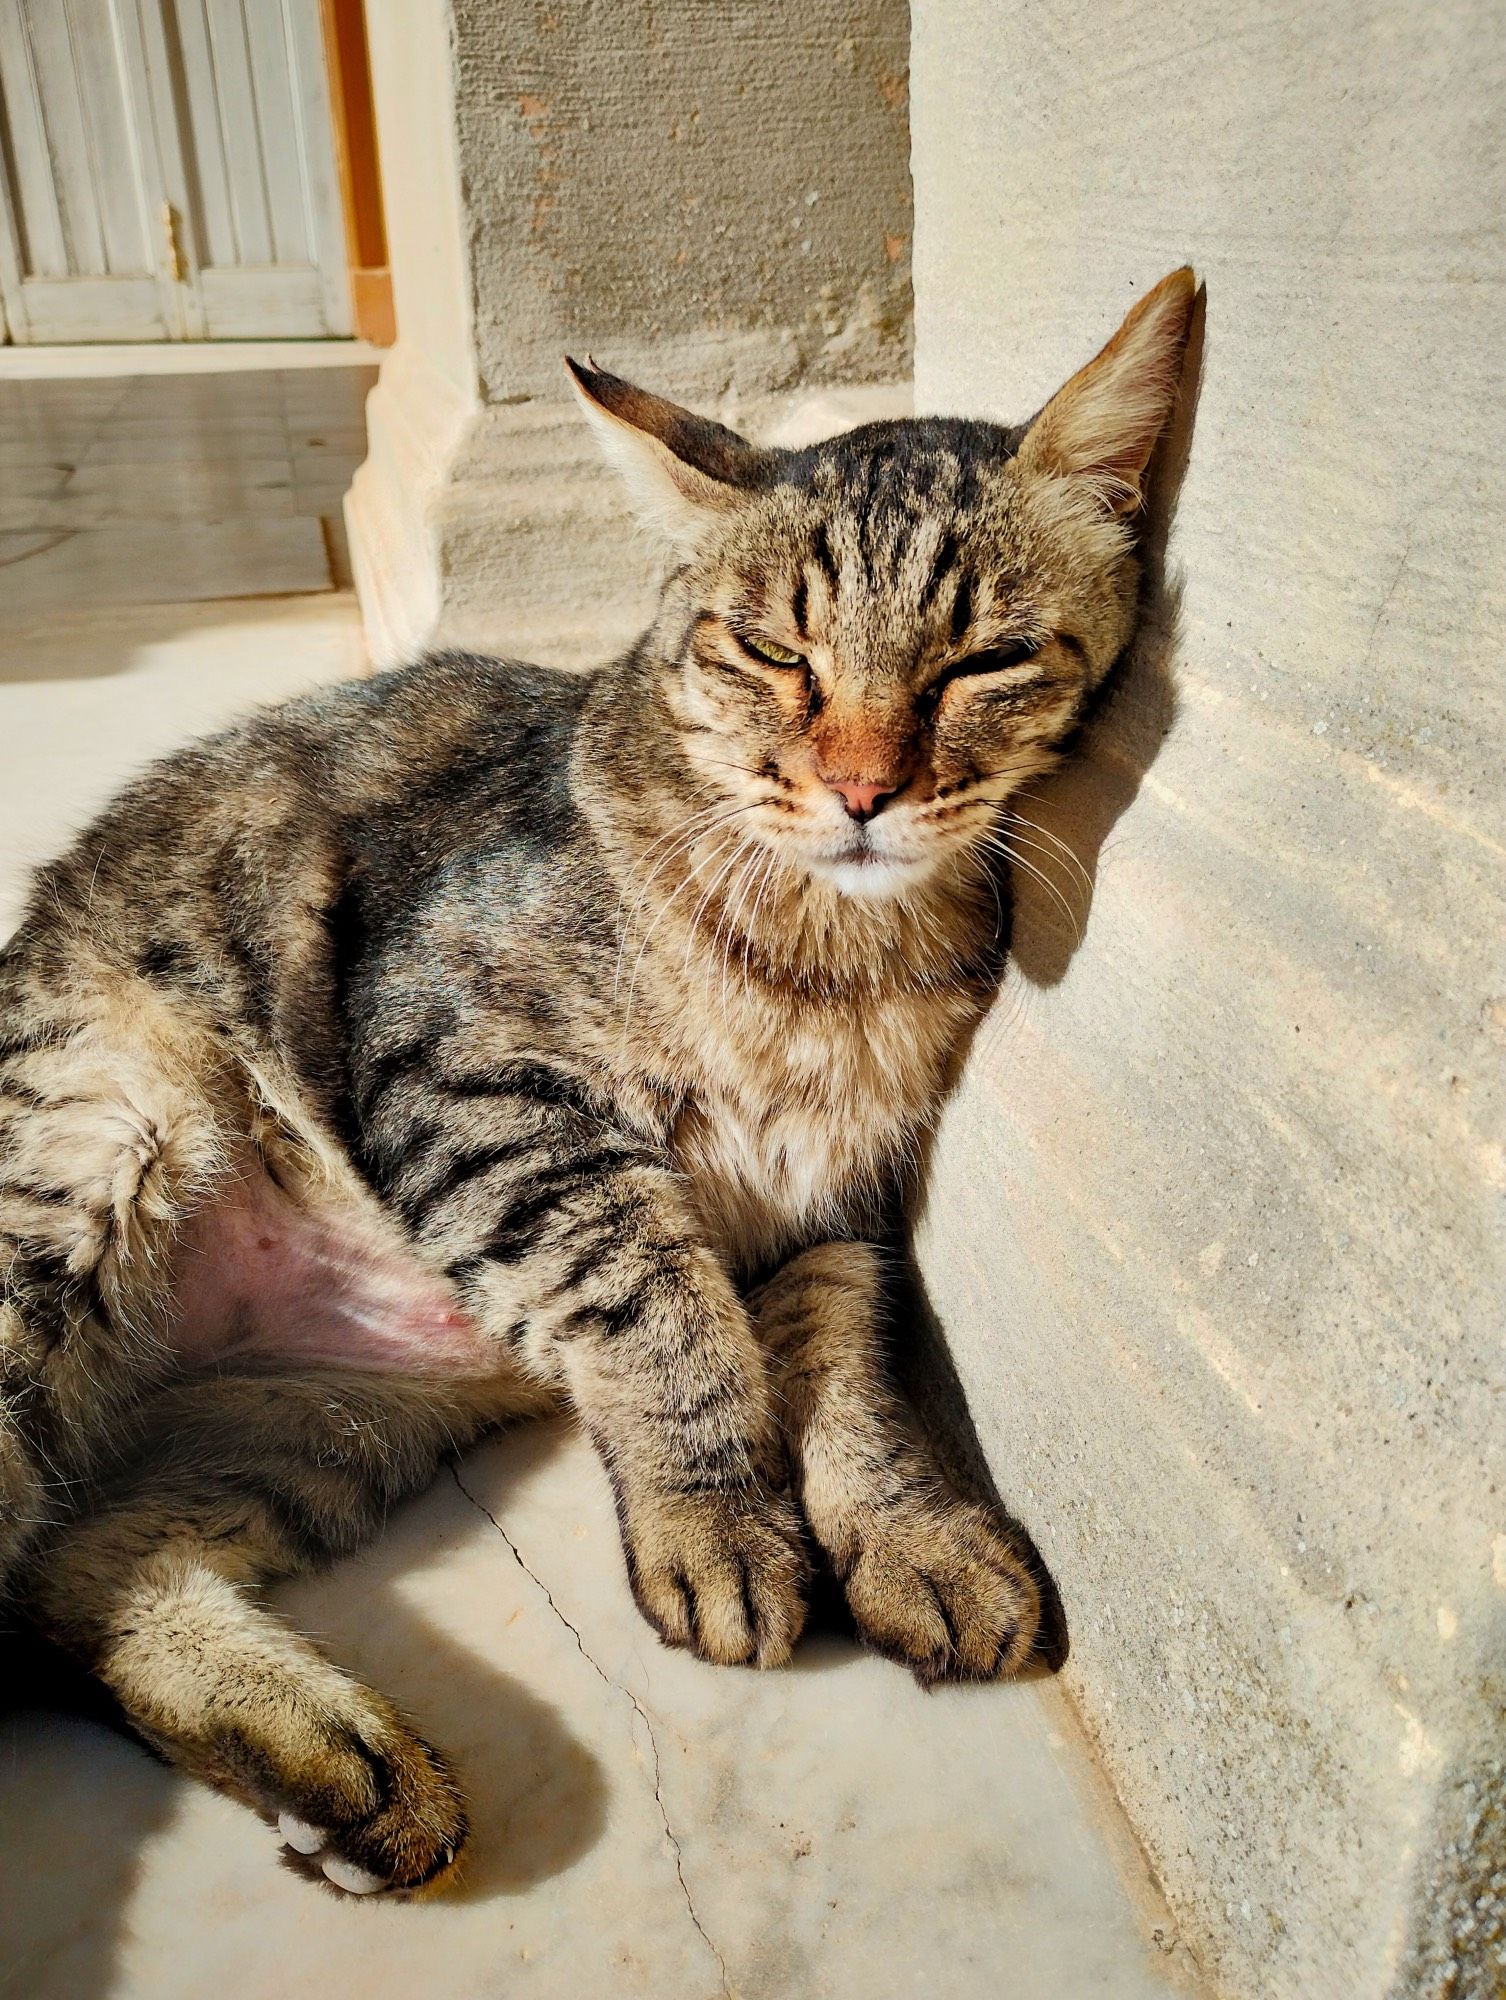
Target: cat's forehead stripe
{"x": 962, "y": 609}
{"x": 941, "y": 567}
{"x": 821, "y": 550}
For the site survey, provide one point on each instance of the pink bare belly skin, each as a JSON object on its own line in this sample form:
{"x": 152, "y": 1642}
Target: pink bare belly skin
{"x": 262, "y": 1281}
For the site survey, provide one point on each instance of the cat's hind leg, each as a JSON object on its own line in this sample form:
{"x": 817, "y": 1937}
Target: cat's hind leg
{"x": 107, "y": 1141}
{"x": 933, "y": 1580}
{"x": 235, "y": 1482}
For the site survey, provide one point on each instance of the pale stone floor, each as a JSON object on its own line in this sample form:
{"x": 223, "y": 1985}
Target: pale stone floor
{"x": 644, "y": 1825}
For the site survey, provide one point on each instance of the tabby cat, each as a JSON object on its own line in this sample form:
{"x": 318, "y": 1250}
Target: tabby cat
{"x": 479, "y": 1040}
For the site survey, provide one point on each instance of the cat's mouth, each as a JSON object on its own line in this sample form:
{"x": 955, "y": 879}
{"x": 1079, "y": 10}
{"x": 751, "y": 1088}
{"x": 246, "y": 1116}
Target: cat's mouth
{"x": 871, "y": 863}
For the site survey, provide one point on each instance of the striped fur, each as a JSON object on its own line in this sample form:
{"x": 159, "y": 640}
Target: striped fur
{"x": 478, "y": 1041}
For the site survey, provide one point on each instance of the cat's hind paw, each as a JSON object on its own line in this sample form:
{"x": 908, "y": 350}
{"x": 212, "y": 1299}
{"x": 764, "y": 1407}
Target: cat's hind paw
{"x": 395, "y": 1828}
{"x": 315, "y": 1844}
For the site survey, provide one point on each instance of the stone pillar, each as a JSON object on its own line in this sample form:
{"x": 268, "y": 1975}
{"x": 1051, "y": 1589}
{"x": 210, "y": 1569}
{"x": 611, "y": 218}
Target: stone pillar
{"x": 712, "y": 200}
{"x": 1214, "y": 1227}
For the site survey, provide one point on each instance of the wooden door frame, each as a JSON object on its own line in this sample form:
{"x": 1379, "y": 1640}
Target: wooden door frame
{"x": 358, "y": 168}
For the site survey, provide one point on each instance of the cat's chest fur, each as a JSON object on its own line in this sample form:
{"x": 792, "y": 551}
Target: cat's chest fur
{"x": 798, "y": 1114}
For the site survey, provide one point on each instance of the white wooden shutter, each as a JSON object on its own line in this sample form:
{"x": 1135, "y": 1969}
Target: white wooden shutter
{"x": 167, "y": 172}
{"x": 82, "y": 233}
{"x": 265, "y": 232}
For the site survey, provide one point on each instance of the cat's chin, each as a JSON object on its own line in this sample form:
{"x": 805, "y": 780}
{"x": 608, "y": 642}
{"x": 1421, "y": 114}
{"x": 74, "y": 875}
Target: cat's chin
{"x": 871, "y": 878}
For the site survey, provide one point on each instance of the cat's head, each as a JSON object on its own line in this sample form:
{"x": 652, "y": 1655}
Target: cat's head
{"x": 888, "y": 634}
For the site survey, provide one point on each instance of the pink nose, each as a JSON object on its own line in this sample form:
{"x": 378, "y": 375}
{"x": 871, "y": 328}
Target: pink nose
{"x": 860, "y": 800}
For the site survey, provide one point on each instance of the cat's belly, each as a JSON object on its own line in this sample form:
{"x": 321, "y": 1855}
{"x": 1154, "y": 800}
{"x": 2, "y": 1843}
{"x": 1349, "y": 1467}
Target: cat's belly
{"x": 263, "y": 1280}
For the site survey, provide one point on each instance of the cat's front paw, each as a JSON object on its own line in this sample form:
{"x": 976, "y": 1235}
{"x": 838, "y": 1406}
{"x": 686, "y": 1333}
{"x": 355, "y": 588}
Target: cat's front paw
{"x": 935, "y": 1583}
{"x": 723, "y": 1574}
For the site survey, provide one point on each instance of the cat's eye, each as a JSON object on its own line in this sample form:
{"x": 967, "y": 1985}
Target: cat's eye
{"x": 771, "y": 654}
{"x": 997, "y": 660}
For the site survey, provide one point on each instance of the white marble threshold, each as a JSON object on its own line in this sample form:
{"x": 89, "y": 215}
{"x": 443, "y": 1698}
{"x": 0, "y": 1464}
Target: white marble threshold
{"x": 176, "y": 357}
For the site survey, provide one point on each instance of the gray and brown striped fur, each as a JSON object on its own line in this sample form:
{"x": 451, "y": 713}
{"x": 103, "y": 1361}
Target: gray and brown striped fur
{"x": 479, "y": 1040}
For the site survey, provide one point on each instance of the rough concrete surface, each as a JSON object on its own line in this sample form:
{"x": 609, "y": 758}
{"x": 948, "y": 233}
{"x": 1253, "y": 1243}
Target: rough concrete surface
{"x": 714, "y": 200}
{"x": 1214, "y": 1227}
{"x": 725, "y": 186}
{"x": 500, "y": 527}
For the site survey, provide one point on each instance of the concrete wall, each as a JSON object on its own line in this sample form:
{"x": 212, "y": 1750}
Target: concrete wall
{"x": 718, "y": 196}
{"x": 1215, "y": 1225}
{"x": 715, "y": 200}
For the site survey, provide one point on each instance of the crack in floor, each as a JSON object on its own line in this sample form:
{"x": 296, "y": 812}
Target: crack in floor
{"x": 1387, "y": 601}
{"x": 643, "y": 1715}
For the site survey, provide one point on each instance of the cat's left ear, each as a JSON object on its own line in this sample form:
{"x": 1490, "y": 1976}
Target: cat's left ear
{"x": 682, "y": 471}
{"x": 1104, "y": 425}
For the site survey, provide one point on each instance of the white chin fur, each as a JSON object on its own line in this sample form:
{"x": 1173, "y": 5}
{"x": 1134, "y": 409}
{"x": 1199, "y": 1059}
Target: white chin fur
{"x": 872, "y": 881}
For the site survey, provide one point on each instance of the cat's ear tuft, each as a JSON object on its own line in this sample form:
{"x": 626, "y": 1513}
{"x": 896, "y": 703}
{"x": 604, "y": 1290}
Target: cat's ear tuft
{"x": 682, "y": 472}
{"x": 1104, "y": 425}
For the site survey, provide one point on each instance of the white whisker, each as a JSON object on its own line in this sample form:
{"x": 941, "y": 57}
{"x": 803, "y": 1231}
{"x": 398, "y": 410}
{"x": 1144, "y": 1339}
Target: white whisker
{"x": 1018, "y": 860}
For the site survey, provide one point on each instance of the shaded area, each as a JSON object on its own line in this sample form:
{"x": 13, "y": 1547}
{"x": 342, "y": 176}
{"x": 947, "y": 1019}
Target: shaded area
{"x": 1078, "y": 806}
{"x": 1045, "y": 906}
{"x": 537, "y": 1797}
{"x": 928, "y": 1378}
{"x": 1458, "y": 1918}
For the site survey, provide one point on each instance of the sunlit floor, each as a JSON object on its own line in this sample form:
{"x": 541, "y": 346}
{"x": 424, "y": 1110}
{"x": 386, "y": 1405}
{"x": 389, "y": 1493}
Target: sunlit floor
{"x": 644, "y": 1825}
{"x": 248, "y": 468}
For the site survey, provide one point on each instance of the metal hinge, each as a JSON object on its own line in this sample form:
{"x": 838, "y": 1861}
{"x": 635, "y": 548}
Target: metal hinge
{"x": 177, "y": 268}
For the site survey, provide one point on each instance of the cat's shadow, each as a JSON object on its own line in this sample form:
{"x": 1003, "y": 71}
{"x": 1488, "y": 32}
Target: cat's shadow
{"x": 81, "y": 1800}
{"x": 1046, "y": 902}
{"x": 537, "y": 1795}
{"x": 1057, "y": 865}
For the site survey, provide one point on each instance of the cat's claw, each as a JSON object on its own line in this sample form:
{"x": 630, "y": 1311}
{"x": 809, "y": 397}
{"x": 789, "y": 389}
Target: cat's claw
{"x": 391, "y": 1822}
{"x": 353, "y": 1880}
{"x": 312, "y": 1842}
{"x": 939, "y": 1585}
{"x": 299, "y": 1835}
{"x": 724, "y": 1576}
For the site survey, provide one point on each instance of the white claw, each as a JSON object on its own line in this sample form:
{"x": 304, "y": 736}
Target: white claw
{"x": 354, "y": 1881}
{"x": 299, "y": 1835}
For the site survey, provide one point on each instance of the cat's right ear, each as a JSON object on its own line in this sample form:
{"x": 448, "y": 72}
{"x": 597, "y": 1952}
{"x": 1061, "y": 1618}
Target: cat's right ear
{"x": 682, "y": 472}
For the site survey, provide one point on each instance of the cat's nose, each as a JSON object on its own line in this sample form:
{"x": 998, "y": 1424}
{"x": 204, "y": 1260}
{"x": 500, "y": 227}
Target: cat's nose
{"x": 862, "y": 801}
